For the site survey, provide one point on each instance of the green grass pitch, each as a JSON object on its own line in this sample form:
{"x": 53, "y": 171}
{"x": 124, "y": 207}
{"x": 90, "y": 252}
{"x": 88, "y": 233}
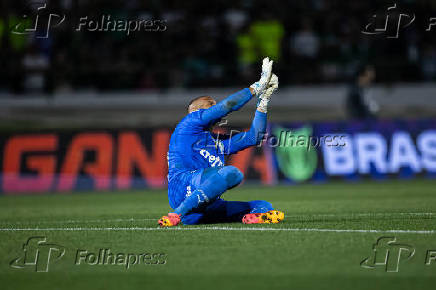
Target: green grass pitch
{"x": 328, "y": 231}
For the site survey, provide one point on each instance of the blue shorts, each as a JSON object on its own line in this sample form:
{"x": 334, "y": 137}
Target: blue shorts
{"x": 183, "y": 185}
{"x": 217, "y": 210}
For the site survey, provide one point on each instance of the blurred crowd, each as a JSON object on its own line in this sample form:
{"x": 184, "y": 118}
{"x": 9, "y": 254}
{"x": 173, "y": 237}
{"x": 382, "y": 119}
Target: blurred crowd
{"x": 207, "y": 44}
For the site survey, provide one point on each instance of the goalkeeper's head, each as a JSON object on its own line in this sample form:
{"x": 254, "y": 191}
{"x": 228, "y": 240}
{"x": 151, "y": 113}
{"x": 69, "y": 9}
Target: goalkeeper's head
{"x": 203, "y": 102}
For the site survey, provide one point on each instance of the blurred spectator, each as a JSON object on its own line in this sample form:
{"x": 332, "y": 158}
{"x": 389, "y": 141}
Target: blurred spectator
{"x": 428, "y": 63}
{"x": 235, "y": 19}
{"x": 196, "y": 69}
{"x": 305, "y": 43}
{"x": 61, "y": 74}
{"x": 360, "y": 104}
{"x": 35, "y": 65}
{"x": 16, "y": 41}
{"x": 305, "y": 47}
{"x": 247, "y": 55}
{"x": 267, "y": 36}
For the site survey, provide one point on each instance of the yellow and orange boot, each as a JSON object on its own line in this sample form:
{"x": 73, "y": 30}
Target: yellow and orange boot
{"x": 270, "y": 217}
{"x": 170, "y": 220}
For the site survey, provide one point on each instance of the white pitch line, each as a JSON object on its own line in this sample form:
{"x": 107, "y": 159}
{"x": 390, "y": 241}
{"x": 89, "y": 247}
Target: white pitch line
{"x": 377, "y": 214}
{"x": 425, "y": 232}
{"x": 82, "y": 221}
{"x": 288, "y": 216}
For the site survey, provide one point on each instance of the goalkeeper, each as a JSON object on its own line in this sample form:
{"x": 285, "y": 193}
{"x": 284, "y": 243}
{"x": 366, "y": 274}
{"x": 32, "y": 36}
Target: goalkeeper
{"x": 197, "y": 176}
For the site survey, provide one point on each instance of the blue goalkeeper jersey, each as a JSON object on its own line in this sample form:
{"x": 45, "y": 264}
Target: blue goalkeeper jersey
{"x": 193, "y": 147}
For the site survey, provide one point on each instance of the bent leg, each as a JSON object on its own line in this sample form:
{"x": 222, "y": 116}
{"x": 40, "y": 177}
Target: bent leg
{"x": 222, "y": 211}
{"x": 214, "y": 182}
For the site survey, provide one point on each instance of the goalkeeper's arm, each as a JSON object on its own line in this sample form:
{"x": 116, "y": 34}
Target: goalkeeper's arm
{"x": 223, "y": 108}
{"x": 239, "y": 99}
{"x": 257, "y": 130}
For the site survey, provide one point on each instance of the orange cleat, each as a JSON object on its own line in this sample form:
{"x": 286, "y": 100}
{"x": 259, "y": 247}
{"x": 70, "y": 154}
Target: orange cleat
{"x": 170, "y": 220}
{"x": 270, "y": 217}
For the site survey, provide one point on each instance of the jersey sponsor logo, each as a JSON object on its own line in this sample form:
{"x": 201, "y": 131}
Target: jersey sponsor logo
{"x": 212, "y": 159}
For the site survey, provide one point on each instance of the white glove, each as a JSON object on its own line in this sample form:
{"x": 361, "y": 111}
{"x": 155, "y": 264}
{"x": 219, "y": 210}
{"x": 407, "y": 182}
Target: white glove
{"x": 265, "y": 77}
{"x": 265, "y": 97}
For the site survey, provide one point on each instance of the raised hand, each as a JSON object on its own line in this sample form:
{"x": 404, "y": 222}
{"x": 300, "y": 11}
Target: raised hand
{"x": 264, "y": 98}
{"x": 265, "y": 77}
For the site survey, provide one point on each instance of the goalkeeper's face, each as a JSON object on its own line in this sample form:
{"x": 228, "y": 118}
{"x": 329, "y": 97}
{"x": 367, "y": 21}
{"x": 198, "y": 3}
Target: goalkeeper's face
{"x": 204, "y": 102}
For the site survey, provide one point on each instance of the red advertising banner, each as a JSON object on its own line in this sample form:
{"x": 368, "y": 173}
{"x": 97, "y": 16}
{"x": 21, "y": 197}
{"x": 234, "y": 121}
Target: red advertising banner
{"x": 99, "y": 160}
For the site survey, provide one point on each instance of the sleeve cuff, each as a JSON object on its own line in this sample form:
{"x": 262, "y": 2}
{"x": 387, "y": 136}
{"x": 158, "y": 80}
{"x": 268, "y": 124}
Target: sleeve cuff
{"x": 248, "y": 92}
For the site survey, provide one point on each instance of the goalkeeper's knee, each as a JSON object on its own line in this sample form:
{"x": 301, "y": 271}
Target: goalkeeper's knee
{"x": 232, "y": 175}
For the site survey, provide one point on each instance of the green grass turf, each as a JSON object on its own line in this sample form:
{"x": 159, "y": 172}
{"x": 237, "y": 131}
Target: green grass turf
{"x": 225, "y": 259}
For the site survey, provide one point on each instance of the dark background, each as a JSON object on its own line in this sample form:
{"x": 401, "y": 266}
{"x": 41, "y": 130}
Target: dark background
{"x": 212, "y": 44}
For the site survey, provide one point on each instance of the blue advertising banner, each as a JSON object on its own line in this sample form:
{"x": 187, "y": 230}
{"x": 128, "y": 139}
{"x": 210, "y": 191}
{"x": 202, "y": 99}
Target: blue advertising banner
{"x": 353, "y": 150}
